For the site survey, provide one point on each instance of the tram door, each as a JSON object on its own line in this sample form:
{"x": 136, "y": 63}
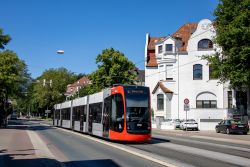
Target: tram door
{"x": 61, "y": 116}
{"x": 57, "y": 117}
{"x": 90, "y": 121}
{"x": 82, "y": 111}
{"x": 73, "y": 117}
{"x": 106, "y": 115}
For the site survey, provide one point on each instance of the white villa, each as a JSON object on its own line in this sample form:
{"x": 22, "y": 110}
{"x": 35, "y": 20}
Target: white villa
{"x": 175, "y": 70}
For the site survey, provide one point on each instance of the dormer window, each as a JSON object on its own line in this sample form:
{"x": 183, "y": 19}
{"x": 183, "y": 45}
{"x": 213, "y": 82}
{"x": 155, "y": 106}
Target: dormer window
{"x": 160, "y": 49}
{"x": 169, "y": 47}
{"x": 205, "y": 44}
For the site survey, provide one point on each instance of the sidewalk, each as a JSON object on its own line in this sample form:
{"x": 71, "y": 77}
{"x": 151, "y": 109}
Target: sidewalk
{"x": 17, "y": 149}
{"x": 208, "y": 135}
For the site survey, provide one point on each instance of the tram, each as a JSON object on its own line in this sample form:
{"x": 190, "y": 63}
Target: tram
{"x": 120, "y": 113}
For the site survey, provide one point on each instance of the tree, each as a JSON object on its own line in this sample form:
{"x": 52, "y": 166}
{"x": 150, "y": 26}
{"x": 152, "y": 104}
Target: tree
{"x": 13, "y": 79}
{"x": 233, "y": 36}
{"x": 4, "y": 39}
{"x": 113, "y": 68}
{"x": 43, "y": 96}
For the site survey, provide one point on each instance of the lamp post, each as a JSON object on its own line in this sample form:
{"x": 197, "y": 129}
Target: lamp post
{"x": 45, "y": 83}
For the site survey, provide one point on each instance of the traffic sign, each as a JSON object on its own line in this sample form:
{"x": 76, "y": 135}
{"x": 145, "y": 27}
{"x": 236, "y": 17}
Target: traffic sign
{"x": 186, "y": 107}
{"x": 186, "y": 101}
{"x": 47, "y": 111}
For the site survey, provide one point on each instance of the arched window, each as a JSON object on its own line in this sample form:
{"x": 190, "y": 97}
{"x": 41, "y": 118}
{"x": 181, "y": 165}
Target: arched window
{"x": 160, "y": 102}
{"x": 197, "y": 72}
{"x": 205, "y": 44}
{"x": 212, "y": 74}
{"x": 206, "y": 100}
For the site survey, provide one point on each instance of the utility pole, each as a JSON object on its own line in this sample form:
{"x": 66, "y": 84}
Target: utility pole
{"x": 47, "y": 83}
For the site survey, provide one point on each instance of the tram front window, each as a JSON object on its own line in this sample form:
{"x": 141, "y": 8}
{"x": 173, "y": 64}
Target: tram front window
{"x": 137, "y": 111}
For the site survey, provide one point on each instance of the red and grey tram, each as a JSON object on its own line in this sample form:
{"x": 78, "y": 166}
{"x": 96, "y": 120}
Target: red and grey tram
{"x": 119, "y": 113}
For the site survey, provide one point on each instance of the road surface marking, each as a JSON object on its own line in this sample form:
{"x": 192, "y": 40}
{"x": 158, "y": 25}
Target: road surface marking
{"x": 237, "y": 160}
{"x": 149, "y": 156}
{"x": 223, "y": 139}
{"x": 40, "y": 147}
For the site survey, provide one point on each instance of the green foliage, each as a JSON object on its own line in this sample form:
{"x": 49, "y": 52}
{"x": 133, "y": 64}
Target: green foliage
{"x": 46, "y": 96}
{"x": 113, "y": 68}
{"x": 13, "y": 74}
{"x": 4, "y": 39}
{"x": 13, "y": 78}
{"x": 233, "y": 35}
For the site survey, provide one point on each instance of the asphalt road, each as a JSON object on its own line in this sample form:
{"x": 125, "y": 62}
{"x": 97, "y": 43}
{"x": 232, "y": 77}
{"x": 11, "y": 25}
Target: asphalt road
{"x": 74, "y": 150}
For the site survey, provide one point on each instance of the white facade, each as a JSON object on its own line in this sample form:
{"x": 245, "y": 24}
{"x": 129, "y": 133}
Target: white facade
{"x": 175, "y": 71}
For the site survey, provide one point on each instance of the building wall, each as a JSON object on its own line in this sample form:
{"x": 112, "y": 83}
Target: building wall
{"x": 188, "y": 87}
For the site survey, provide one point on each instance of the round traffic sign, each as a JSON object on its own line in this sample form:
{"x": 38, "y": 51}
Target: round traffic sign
{"x": 186, "y": 101}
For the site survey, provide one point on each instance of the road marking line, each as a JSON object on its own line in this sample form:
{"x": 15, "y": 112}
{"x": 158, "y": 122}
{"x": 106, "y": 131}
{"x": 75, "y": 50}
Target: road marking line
{"x": 40, "y": 147}
{"x": 224, "y": 140}
{"x": 233, "y": 159}
{"x": 148, "y": 157}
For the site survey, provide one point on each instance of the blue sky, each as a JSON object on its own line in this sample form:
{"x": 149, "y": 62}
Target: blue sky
{"x": 83, "y": 28}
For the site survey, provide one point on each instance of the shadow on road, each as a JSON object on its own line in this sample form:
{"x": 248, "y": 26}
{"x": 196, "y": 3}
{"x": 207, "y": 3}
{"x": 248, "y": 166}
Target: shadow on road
{"x": 10, "y": 160}
{"x": 20, "y": 124}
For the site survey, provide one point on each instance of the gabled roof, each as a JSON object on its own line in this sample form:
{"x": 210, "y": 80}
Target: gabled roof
{"x": 163, "y": 88}
{"x": 72, "y": 88}
{"x": 81, "y": 82}
{"x": 164, "y": 39}
{"x": 153, "y": 41}
{"x": 183, "y": 34}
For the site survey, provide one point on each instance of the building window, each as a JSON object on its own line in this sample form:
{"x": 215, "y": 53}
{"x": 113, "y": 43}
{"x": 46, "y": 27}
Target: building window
{"x": 206, "y": 104}
{"x": 230, "y": 99}
{"x": 169, "y": 72}
{"x": 160, "y": 49}
{"x": 161, "y": 71}
{"x": 160, "y": 102}
{"x": 211, "y": 73}
{"x": 169, "y": 47}
{"x": 197, "y": 72}
{"x": 205, "y": 44}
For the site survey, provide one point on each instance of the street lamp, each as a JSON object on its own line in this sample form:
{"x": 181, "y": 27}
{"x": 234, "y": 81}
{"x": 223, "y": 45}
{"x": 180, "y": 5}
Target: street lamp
{"x": 50, "y": 85}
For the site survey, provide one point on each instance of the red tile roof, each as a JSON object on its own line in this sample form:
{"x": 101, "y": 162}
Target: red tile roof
{"x": 82, "y": 82}
{"x": 183, "y": 34}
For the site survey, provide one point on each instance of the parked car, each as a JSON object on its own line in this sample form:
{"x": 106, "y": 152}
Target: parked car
{"x": 189, "y": 124}
{"x": 175, "y": 122}
{"x": 232, "y": 126}
{"x": 13, "y": 116}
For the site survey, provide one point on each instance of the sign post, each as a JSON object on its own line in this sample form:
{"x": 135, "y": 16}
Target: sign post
{"x": 186, "y": 108}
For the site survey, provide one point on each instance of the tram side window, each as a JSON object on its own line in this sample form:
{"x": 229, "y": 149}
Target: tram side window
{"x": 66, "y": 114}
{"x": 57, "y": 114}
{"x": 117, "y": 113}
{"x": 96, "y": 110}
{"x": 76, "y": 111}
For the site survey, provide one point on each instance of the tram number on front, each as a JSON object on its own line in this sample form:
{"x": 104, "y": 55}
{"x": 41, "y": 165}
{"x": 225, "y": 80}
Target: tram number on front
{"x": 139, "y": 125}
{"x": 135, "y": 91}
